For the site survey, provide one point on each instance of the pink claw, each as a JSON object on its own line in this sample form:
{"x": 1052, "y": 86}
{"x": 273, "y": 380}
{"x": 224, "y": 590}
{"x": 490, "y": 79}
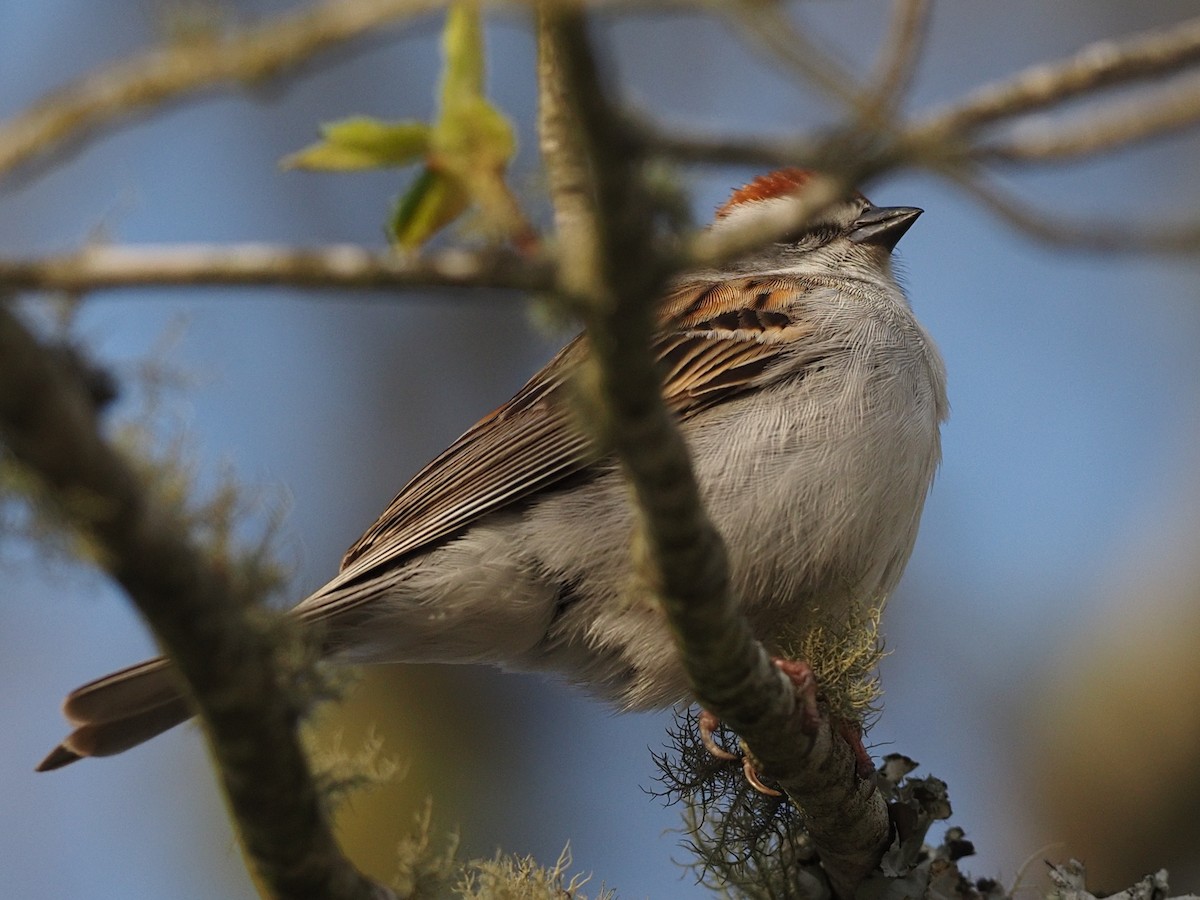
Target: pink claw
{"x": 801, "y": 675}
{"x": 707, "y": 724}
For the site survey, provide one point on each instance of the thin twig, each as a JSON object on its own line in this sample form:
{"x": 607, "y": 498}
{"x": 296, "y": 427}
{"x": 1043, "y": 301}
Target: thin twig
{"x": 99, "y": 266}
{"x": 722, "y": 150}
{"x": 1094, "y": 236}
{"x": 947, "y": 137}
{"x": 767, "y": 25}
{"x": 140, "y": 84}
{"x": 204, "y": 617}
{"x": 898, "y": 58}
{"x": 872, "y": 104}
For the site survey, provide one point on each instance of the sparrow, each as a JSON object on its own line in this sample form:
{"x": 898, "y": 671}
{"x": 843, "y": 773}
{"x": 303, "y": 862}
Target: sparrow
{"x": 811, "y": 402}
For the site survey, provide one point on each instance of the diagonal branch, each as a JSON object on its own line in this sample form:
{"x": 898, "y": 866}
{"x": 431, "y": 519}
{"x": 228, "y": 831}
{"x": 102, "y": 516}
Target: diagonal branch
{"x": 1112, "y": 127}
{"x": 202, "y": 614}
{"x": 72, "y": 114}
{"x": 1101, "y": 65}
{"x": 611, "y": 270}
{"x": 897, "y": 62}
{"x": 1093, "y": 236}
{"x": 950, "y": 135}
{"x": 947, "y": 142}
{"x": 769, "y": 26}
{"x": 732, "y": 149}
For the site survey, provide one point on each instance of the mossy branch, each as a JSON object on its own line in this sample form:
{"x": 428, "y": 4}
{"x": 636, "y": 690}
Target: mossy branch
{"x": 227, "y": 649}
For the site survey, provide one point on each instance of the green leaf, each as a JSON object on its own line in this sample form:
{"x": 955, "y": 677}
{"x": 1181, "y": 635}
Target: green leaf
{"x": 462, "y": 51}
{"x": 466, "y": 149}
{"x": 432, "y": 201}
{"x": 363, "y": 143}
{"x": 472, "y": 137}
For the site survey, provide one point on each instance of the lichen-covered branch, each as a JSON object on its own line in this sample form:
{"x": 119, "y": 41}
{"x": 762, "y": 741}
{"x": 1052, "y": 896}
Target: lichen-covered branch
{"x": 611, "y": 271}
{"x": 224, "y": 647}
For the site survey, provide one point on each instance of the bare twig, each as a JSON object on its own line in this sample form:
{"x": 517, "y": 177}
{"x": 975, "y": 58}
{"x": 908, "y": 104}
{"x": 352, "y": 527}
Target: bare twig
{"x": 948, "y": 136}
{"x": 946, "y": 143}
{"x": 1104, "y": 130}
{"x": 767, "y": 24}
{"x": 898, "y": 58}
{"x": 1097, "y": 236}
{"x": 140, "y": 84}
{"x": 731, "y": 150}
{"x": 872, "y": 105}
{"x": 99, "y": 266}
{"x": 203, "y": 617}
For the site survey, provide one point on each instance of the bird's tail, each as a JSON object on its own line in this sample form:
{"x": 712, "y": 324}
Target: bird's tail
{"x": 119, "y": 711}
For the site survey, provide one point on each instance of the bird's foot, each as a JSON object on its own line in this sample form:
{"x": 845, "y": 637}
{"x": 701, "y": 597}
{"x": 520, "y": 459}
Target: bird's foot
{"x": 801, "y": 675}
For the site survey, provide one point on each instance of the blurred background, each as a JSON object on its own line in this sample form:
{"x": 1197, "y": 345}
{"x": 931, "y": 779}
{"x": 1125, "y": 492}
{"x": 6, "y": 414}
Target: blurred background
{"x": 1042, "y": 642}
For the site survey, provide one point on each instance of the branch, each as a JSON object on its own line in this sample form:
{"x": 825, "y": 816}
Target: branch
{"x": 723, "y": 150}
{"x": 1097, "y": 237}
{"x": 97, "y": 267}
{"x": 897, "y": 62}
{"x": 1113, "y": 127}
{"x": 67, "y": 117}
{"x": 946, "y": 142}
{"x": 768, "y": 26}
{"x": 611, "y": 270}
{"x": 949, "y": 135}
{"x": 771, "y": 28}
{"x": 1101, "y": 65}
{"x": 198, "y": 609}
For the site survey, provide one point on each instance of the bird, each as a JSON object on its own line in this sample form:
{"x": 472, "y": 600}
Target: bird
{"x": 811, "y": 401}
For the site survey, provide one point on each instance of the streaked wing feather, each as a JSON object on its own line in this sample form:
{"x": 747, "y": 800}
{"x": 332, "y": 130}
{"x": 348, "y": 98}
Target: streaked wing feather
{"x": 711, "y": 346}
{"x": 721, "y": 339}
{"x": 523, "y": 446}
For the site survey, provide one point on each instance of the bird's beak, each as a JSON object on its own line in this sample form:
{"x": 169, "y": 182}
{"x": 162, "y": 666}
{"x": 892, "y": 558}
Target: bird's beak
{"x": 883, "y": 226}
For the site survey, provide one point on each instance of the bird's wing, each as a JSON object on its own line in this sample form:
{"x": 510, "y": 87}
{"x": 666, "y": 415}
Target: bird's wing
{"x": 715, "y": 341}
{"x": 527, "y": 444}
